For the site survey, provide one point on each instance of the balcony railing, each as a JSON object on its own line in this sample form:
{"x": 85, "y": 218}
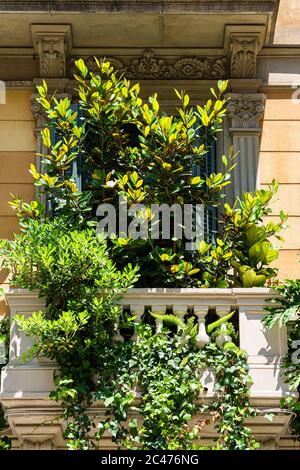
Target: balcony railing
{"x": 24, "y": 387}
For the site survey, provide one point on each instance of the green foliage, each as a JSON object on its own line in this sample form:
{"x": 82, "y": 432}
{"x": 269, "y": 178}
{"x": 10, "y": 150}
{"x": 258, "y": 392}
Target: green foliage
{"x": 249, "y": 237}
{"x": 82, "y": 277}
{"x": 219, "y": 322}
{"x": 285, "y": 311}
{"x": 162, "y": 373}
{"x": 4, "y": 343}
{"x": 243, "y": 244}
{"x": 284, "y": 308}
{"x": 232, "y": 406}
{"x": 156, "y": 167}
{"x": 67, "y": 265}
{"x": 81, "y": 284}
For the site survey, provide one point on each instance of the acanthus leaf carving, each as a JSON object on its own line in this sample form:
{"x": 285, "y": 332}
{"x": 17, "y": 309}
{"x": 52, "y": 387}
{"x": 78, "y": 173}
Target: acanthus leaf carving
{"x": 246, "y": 110}
{"x": 244, "y": 52}
{"x": 52, "y": 43}
{"x": 52, "y": 57}
{"x": 148, "y": 66}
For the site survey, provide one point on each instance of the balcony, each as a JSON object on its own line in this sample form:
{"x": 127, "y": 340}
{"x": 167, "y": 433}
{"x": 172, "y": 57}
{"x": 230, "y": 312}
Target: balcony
{"x": 25, "y": 387}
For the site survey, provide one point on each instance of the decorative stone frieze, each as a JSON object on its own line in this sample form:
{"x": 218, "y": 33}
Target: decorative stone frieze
{"x": 151, "y": 66}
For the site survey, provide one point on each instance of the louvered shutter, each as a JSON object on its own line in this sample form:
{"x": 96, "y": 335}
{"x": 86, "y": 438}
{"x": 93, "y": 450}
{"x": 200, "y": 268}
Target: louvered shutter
{"x": 207, "y": 166}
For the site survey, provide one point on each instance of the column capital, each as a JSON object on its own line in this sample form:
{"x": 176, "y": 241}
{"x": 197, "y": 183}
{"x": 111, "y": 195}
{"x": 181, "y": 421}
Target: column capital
{"x": 246, "y": 110}
{"x": 52, "y": 44}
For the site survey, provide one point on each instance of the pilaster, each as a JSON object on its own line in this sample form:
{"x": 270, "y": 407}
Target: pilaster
{"x": 245, "y": 112}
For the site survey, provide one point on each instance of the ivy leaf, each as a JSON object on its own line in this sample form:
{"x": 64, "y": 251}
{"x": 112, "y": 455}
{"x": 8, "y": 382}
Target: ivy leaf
{"x": 108, "y": 401}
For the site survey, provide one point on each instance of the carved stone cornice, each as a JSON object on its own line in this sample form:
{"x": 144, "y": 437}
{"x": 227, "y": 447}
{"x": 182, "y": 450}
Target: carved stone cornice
{"x": 246, "y": 110}
{"x": 19, "y": 84}
{"x": 149, "y": 66}
{"x": 51, "y": 44}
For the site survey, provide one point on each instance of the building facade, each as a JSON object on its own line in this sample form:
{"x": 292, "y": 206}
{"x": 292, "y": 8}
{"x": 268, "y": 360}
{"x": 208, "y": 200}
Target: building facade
{"x": 183, "y": 44}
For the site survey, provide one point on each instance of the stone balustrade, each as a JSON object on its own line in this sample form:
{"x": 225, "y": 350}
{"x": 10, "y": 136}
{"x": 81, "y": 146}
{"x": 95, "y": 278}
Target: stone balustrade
{"x": 25, "y": 386}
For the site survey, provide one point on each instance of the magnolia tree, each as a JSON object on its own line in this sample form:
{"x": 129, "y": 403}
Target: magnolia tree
{"x": 139, "y": 186}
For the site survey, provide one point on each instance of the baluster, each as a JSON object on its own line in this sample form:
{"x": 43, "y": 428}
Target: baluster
{"x": 223, "y": 337}
{"x": 117, "y": 336}
{"x": 180, "y": 311}
{"x": 202, "y": 337}
{"x": 161, "y": 310}
{"x": 136, "y": 311}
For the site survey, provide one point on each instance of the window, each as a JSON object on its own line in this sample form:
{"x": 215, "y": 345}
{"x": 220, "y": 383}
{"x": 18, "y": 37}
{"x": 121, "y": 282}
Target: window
{"x": 208, "y": 166}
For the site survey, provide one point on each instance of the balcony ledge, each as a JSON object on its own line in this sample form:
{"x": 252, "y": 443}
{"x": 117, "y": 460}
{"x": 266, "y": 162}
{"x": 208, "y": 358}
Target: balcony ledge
{"x": 25, "y": 387}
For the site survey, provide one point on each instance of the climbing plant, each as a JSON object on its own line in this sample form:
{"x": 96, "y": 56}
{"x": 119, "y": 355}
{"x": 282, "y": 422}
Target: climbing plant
{"x": 284, "y": 311}
{"x": 4, "y": 342}
{"x": 162, "y": 372}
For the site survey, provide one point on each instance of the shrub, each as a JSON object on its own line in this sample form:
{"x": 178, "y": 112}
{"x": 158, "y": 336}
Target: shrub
{"x": 285, "y": 312}
{"x": 154, "y": 166}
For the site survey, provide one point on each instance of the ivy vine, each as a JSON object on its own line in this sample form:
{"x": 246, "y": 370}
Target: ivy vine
{"x": 162, "y": 373}
{"x": 4, "y": 342}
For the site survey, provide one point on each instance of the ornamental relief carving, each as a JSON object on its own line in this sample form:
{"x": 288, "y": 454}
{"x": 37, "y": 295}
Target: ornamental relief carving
{"x": 149, "y": 66}
{"x": 52, "y": 55}
{"x": 243, "y": 57}
{"x": 246, "y": 110}
{"x": 29, "y": 444}
{"x": 52, "y": 58}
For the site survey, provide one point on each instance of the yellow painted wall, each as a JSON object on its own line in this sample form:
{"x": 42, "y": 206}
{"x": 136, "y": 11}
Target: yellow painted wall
{"x": 17, "y": 151}
{"x": 280, "y": 159}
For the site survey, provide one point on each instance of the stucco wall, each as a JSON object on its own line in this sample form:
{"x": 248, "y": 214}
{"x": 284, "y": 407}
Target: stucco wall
{"x": 280, "y": 159}
{"x": 17, "y": 151}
